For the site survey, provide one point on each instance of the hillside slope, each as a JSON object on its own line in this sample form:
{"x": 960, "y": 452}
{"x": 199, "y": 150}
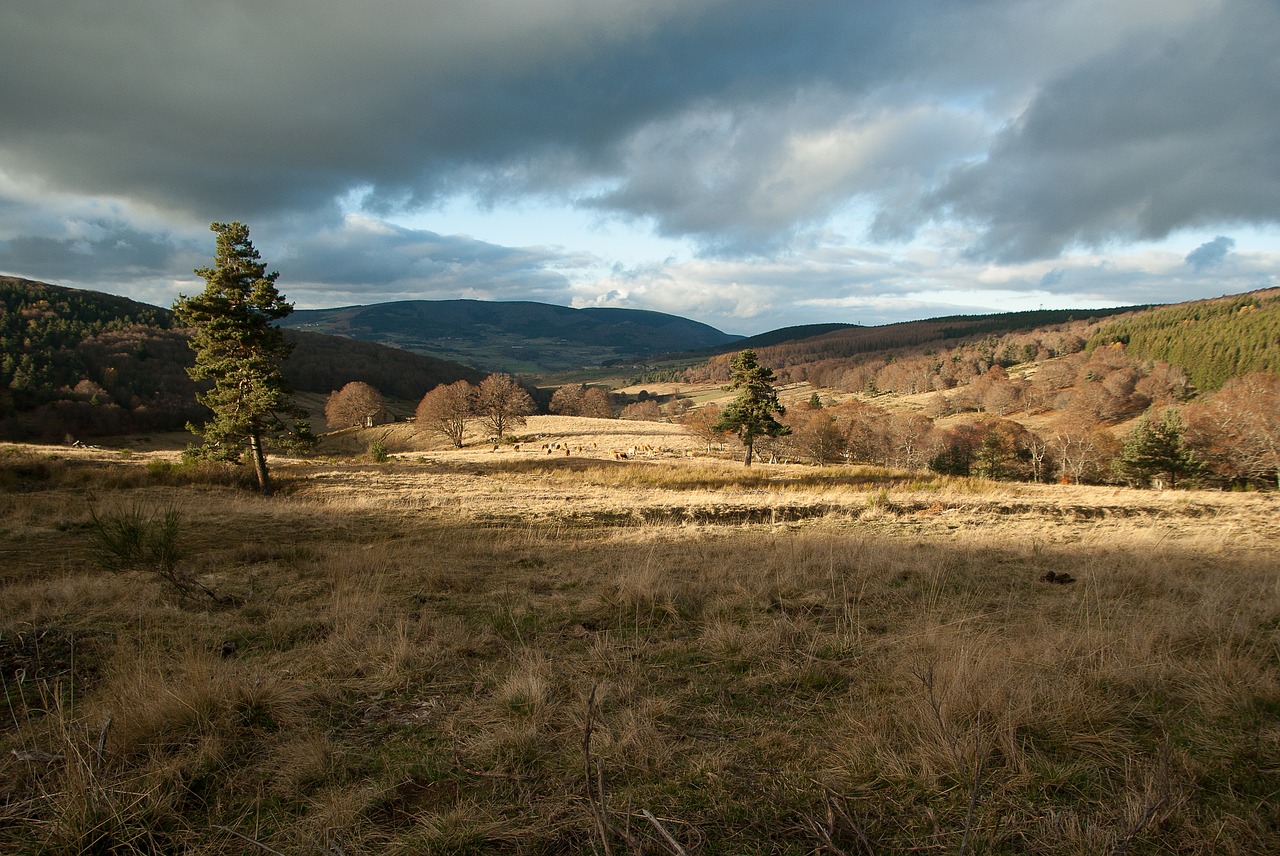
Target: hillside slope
{"x": 91, "y": 364}
{"x": 1212, "y": 340}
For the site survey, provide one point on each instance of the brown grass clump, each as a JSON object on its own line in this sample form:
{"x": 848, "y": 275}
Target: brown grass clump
{"x": 451, "y": 656}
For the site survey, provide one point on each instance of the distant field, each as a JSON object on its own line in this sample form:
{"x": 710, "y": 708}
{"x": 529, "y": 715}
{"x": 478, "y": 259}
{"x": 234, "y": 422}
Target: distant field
{"x": 519, "y": 651}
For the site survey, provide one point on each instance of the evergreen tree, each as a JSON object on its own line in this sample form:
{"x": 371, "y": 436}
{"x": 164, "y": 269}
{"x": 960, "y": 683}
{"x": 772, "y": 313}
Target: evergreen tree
{"x": 750, "y": 415}
{"x": 239, "y": 349}
{"x": 1157, "y": 449}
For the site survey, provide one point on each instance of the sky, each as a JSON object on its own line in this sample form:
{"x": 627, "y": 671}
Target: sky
{"x": 747, "y": 164}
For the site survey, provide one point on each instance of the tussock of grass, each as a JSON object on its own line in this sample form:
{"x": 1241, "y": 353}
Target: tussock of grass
{"x": 398, "y": 676}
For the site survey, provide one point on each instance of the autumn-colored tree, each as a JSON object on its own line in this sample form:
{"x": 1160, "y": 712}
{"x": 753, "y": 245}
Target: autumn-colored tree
{"x": 567, "y": 400}
{"x": 1104, "y": 398}
{"x": 643, "y": 411}
{"x": 1238, "y": 430}
{"x": 1163, "y": 384}
{"x": 356, "y": 404}
{"x": 676, "y": 406}
{"x": 446, "y": 410}
{"x": 501, "y": 404}
{"x": 867, "y": 428}
{"x": 240, "y": 349}
{"x": 956, "y": 449}
{"x": 909, "y": 436}
{"x": 701, "y": 422}
{"x": 817, "y": 435}
{"x": 575, "y": 399}
{"x": 1004, "y": 451}
{"x": 1084, "y": 452}
{"x": 595, "y": 403}
{"x": 1004, "y": 396}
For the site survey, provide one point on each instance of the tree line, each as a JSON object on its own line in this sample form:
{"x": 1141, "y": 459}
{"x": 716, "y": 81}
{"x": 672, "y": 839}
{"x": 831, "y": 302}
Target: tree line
{"x": 1228, "y": 439}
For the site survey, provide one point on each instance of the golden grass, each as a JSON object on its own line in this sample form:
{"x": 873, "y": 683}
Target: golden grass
{"x": 783, "y": 660}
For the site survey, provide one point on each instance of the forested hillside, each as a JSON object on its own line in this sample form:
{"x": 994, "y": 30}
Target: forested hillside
{"x": 90, "y": 364}
{"x": 42, "y": 326}
{"x": 1211, "y": 340}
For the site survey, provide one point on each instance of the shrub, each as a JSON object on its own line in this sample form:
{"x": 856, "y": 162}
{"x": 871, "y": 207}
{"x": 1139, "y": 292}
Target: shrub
{"x": 138, "y": 538}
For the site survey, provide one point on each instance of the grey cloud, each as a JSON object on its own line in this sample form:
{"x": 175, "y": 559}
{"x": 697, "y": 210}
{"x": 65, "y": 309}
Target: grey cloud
{"x": 748, "y": 181}
{"x": 1053, "y": 278}
{"x": 360, "y": 260}
{"x": 1151, "y": 138}
{"x": 1211, "y": 253}
{"x": 218, "y": 108}
{"x": 103, "y": 252}
{"x": 375, "y": 259}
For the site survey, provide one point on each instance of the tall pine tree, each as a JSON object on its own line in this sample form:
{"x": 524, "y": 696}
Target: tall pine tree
{"x": 1156, "y": 450}
{"x": 240, "y": 349}
{"x": 750, "y": 415}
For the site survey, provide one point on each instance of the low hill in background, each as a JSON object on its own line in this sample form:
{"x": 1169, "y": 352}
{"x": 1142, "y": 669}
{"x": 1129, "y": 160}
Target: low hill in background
{"x": 783, "y": 335}
{"x": 853, "y": 341}
{"x": 91, "y": 364}
{"x": 519, "y": 337}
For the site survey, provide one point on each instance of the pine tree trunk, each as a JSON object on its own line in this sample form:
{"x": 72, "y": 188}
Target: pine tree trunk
{"x": 260, "y": 463}
{"x": 749, "y": 450}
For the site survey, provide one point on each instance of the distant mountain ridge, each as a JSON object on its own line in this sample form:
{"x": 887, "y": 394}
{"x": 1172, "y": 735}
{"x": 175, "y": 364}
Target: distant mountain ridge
{"x": 522, "y": 337}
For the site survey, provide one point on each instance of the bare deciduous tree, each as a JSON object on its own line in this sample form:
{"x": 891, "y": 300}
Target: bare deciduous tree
{"x": 567, "y": 400}
{"x": 446, "y": 409}
{"x": 596, "y": 404}
{"x": 1238, "y": 430}
{"x": 501, "y": 404}
{"x": 575, "y": 399}
{"x": 356, "y": 404}
{"x": 643, "y": 411}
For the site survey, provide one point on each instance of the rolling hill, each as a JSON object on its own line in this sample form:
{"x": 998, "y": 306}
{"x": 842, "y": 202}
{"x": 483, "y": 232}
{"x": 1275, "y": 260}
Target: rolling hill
{"x": 519, "y": 337}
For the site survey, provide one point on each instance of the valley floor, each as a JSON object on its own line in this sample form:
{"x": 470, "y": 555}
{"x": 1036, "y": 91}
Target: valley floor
{"x": 515, "y": 651}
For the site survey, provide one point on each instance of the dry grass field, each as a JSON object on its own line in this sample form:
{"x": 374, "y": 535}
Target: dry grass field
{"x": 514, "y": 651}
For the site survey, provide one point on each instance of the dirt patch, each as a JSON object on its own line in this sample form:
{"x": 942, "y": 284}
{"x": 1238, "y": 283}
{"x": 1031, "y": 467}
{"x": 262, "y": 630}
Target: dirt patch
{"x": 47, "y": 654}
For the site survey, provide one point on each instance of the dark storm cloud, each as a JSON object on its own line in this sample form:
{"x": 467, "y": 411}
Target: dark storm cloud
{"x": 1211, "y": 253}
{"x": 1155, "y": 136}
{"x": 212, "y": 108}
